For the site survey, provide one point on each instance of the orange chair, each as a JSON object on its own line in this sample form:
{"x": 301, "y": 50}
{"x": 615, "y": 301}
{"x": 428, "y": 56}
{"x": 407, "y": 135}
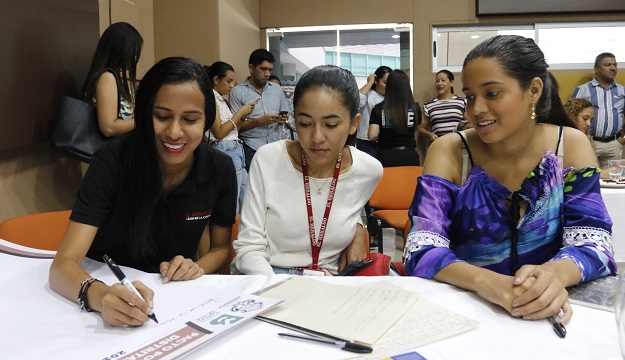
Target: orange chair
{"x": 391, "y": 199}
{"x": 225, "y": 270}
{"x": 40, "y": 231}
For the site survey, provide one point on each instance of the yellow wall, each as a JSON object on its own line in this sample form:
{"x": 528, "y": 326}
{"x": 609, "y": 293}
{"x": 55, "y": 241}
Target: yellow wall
{"x": 138, "y": 13}
{"x": 186, "y": 28}
{"x": 239, "y": 33}
{"x": 568, "y": 80}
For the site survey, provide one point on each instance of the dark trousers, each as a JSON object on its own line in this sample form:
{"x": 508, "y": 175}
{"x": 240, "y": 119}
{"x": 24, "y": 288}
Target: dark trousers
{"x": 249, "y": 154}
{"x": 370, "y": 147}
{"x": 390, "y": 157}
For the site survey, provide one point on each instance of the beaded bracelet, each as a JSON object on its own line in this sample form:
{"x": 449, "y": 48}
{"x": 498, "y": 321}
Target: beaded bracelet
{"x": 83, "y": 302}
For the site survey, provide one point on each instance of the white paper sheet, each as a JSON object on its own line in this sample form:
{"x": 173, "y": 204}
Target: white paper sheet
{"x": 358, "y": 313}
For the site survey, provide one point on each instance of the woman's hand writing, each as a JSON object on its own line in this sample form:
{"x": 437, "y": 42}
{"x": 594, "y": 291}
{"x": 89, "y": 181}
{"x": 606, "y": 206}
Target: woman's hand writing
{"x": 120, "y": 306}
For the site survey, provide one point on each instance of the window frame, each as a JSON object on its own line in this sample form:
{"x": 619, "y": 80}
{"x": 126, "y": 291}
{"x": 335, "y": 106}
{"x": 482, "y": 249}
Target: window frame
{"x": 400, "y": 27}
{"x": 535, "y": 27}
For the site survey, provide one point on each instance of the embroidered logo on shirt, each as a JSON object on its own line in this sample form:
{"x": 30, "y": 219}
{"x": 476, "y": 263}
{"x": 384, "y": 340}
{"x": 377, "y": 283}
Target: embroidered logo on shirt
{"x": 198, "y": 215}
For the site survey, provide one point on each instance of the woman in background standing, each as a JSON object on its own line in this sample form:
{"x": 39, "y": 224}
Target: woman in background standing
{"x": 394, "y": 121}
{"x": 224, "y": 134}
{"x": 112, "y": 78}
{"x": 371, "y": 94}
{"x": 443, "y": 113}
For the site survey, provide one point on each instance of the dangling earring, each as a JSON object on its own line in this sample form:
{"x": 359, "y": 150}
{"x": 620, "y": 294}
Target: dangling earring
{"x": 533, "y": 116}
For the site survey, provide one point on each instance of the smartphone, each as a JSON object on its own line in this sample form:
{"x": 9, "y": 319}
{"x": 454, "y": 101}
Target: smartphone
{"x": 283, "y": 113}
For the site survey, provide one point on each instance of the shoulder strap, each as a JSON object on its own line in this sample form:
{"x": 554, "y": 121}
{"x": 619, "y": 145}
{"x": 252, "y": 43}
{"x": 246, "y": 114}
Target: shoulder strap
{"x": 560, "y": 148}
{"x": 466, "y": 155}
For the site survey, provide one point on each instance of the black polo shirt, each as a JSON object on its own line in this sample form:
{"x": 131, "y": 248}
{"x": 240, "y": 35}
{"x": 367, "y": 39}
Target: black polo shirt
{"x": 388, "y": 136}
{"x": 208, "y": 193}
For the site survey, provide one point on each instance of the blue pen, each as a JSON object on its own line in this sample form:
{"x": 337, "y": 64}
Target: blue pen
{"x": 124, "y": 280}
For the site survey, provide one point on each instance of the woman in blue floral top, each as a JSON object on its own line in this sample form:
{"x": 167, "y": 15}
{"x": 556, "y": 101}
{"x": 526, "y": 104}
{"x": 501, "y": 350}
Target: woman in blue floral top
{"x": 520, "y": 216}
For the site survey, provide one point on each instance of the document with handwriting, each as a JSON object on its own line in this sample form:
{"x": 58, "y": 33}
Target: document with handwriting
{"x": 426, "y": 322}
{"x": 359, "y": 313}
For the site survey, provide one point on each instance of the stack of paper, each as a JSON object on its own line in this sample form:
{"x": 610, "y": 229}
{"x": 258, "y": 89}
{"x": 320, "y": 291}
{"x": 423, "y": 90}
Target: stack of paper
{"x": 380, "y": 314}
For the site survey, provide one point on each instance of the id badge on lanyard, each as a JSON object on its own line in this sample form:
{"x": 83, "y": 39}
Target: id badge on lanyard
{"x": 316, "y": 243}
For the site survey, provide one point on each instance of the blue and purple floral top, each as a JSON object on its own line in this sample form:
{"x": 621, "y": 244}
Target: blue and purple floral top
{"x": 565, "y": 218}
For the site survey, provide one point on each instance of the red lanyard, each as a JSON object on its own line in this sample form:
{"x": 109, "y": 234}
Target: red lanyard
{"x": 315, "y": 244}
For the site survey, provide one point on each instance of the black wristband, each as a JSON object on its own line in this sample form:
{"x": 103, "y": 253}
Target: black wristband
{"x": 83, "y": 302}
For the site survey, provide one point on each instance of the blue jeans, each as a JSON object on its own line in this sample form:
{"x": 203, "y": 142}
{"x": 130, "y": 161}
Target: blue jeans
{"x": 234, "y": 149}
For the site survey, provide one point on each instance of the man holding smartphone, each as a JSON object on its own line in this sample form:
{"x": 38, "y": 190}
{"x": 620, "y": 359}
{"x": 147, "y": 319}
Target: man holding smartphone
{"x": 272, "y": 108}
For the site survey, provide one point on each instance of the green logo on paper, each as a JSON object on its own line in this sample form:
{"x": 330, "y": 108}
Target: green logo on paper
{"x": 225, "y": 320}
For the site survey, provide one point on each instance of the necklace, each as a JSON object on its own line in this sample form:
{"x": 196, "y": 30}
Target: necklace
{"x": 320, "y": 188}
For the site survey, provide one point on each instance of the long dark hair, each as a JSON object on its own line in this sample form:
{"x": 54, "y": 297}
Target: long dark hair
{"x": 219, "y": 69}
{"x": 398, "y": 100}
{"x": 523, "y": 60}
{"x": 142, "y": 192}
{"x": 118, "y": 49}
{"x": 379, "y": 74}
{"x": 335, "y": 79}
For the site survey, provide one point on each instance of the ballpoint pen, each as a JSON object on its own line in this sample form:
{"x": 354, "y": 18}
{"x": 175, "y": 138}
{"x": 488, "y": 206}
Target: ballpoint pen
{"x": 124, "y": 280}
{"x": 344, "y": 345}
{"x": 318, "y": 336}
{"x": 558, "y": 328}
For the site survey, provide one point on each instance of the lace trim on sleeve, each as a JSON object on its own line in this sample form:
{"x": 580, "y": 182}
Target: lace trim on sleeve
{"x": 419, "y": 239}
{"x": 581, "y": 235}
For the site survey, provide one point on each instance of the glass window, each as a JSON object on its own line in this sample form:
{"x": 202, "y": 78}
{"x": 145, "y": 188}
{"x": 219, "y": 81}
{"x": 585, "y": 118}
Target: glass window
{"x": 452, "y": 44}
{"x": 358, "y": 48}
{"x": 575, "y": 46}
{"x": 359, "y": 65}
{"x": 346, "y": 60}
{"x": 566, "y": 45}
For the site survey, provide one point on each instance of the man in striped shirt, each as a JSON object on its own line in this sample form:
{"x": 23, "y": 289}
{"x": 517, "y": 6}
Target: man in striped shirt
{"x": 608, "y": 98}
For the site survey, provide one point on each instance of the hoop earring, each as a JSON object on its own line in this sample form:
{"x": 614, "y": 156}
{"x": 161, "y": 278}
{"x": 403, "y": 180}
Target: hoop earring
{"x": 533, "y": 115}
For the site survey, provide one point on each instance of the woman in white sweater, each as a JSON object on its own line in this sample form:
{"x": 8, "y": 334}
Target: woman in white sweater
{"x": 290, "y": 186}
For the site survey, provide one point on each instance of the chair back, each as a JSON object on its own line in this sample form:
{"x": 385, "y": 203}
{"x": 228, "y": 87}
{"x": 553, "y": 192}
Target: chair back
{"x": 396, "y": 188}
{"x": 39, "y": 231}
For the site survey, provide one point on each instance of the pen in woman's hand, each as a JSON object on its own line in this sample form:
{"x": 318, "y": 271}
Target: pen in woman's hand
{"x": 558, "y": 328}
{"x": 124, "y": 280}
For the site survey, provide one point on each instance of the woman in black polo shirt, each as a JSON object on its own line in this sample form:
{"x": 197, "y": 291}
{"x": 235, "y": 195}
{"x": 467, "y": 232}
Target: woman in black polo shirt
{"x": 394, "y": 121}
{"x": 158, "y": 199}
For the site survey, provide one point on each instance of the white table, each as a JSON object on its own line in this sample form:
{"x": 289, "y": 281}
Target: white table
{"x": 39, "y": 323}
{"x": 614, "y": 200}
